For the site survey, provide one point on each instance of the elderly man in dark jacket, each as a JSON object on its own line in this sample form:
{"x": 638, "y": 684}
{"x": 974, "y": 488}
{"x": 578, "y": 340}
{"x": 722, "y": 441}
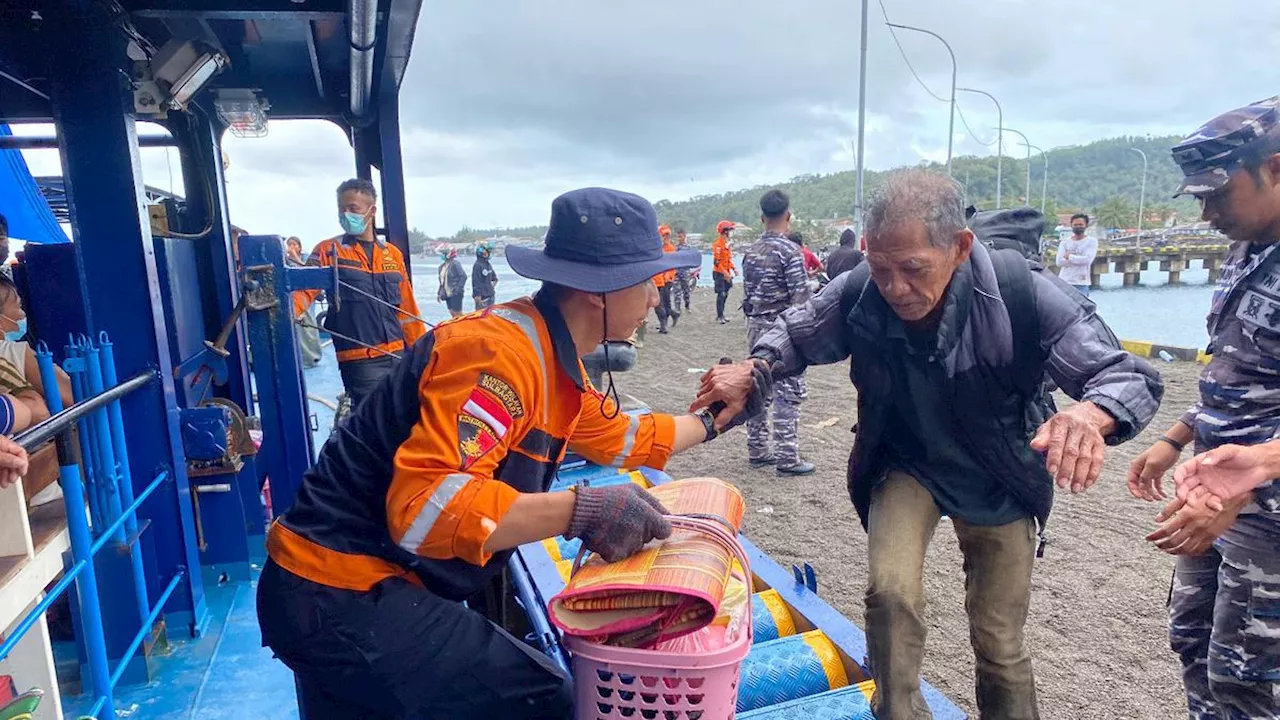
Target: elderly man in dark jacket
{"x": 948, "y": 344}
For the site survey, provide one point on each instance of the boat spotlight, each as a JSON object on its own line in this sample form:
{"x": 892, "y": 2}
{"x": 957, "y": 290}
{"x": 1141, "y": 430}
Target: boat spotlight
{"x": 242, "y": 111}
{"x": 177, "y": 72}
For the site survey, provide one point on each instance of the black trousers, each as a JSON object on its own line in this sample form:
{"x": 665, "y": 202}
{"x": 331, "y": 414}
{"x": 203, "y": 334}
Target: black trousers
{"x": 665, "y": 309}
{"x": 723, "y": 283}
{"x": 360, "y": 377}
{"x": 398, "y": 651}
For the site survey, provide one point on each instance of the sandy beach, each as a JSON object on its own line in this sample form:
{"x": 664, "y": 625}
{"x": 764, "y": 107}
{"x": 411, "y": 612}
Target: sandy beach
{"x": 1097, "y": 631}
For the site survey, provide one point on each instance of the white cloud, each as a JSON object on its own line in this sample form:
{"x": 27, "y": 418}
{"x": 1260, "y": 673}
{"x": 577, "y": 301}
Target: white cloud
{"x": 508, "y": 103}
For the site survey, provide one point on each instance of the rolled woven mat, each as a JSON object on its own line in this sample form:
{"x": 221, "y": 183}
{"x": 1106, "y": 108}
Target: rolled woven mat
{"x": 668, "y": 589}
{"x": 788, "y": 669}
{"x": 852, "y": 702}
{"x": 770, "y": 617}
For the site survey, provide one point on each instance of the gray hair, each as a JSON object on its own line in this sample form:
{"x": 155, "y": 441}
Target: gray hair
{"x": 918, "y": 195}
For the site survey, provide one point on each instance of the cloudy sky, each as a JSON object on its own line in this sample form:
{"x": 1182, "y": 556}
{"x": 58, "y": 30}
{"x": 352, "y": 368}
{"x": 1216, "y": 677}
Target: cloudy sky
{"x": 509, "y": 102}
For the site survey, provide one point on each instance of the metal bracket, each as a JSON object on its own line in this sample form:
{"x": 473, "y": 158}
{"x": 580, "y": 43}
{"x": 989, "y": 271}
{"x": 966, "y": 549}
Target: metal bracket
{"x": 807, "y": 578}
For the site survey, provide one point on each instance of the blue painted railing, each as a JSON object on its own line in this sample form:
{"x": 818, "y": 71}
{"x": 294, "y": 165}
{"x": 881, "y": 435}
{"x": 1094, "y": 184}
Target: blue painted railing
{"x": 107, "y": 487}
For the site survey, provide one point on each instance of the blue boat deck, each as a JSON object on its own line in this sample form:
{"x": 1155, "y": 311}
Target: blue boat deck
{"x": 225, "y": 674}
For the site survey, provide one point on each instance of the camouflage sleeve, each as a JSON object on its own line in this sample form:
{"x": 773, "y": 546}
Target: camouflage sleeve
{"x": 797, "y": 278}
{"x": 1087, "y": 362}
{"x": 808, "y": 334}
{"x": 1188, "y": 418}
{"x": 1267, "y": 496}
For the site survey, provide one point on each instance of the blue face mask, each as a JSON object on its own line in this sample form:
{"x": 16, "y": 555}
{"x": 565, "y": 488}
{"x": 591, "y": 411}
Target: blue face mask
{"x": 16, "y": 335}
{"x": 354, "y": 223}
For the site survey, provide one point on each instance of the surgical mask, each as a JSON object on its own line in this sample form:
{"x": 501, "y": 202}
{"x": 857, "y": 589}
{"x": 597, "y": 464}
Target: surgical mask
{"x": 1078, "y": 231}
{"x": 354, "y": 223}
{"x": 19, "y": 333}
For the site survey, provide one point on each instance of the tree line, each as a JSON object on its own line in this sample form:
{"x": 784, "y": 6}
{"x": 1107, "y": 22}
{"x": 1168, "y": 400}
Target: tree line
{"x": 1102, "y": 178}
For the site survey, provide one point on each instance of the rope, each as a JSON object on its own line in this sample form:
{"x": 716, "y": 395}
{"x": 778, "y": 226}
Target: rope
{"x": 380, "y": 301}
{"x": 348, "y": 338}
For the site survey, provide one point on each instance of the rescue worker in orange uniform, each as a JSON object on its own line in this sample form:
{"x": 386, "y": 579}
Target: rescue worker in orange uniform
{"x": 373, "y": 317}
{"x": 420, "y": 496}
{"x": 665, "y": 283}
{"x": 722, "y": 269}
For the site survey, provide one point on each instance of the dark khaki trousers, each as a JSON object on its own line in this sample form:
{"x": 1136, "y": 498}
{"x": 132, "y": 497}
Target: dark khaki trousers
{"x": 997, "y": 568}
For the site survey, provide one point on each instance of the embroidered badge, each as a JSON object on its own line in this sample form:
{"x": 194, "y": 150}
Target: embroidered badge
{"x": 502, "y": 390}
{"x": 475, "y": 439}
{"x": 1258, "y": 309}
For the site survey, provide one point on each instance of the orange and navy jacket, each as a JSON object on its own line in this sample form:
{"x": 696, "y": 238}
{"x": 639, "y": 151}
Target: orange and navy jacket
{"x": 661, "y": 279}
{"x": 414, "y": 482}
{"x": 721, "y": 256}
{"x": 380, "y": 274}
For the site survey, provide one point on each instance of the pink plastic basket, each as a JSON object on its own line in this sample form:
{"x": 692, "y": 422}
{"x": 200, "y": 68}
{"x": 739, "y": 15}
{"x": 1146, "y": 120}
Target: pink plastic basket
{"x": 614, "y": 683}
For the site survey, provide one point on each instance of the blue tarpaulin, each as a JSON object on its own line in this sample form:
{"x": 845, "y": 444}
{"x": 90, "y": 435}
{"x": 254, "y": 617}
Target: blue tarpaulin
{"x": 21, "y": 201}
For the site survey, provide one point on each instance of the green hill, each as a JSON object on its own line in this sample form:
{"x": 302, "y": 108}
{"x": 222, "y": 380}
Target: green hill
{"x": 1102, "y": 178}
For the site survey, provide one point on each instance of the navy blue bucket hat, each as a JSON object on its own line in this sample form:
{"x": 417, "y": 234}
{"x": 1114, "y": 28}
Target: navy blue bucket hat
{"x": 600, "y": 240}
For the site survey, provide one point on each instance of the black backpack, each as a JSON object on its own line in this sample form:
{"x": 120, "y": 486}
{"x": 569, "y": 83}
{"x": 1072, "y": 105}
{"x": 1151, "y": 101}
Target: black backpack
{"x": 1014, "y": 276}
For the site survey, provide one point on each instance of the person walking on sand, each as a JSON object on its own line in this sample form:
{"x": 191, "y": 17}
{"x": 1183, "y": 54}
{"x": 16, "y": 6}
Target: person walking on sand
{"x": 722, "y": 269}
{"x": 773, "y": 280}
{"x": 686, "y": 278}
{"x": 948, "y": 343}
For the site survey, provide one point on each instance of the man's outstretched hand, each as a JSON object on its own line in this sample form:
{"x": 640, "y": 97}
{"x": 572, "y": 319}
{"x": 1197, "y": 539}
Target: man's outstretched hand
{"x": 1073, "y": 441}
{"x": 735, "y": 392}
{"x": 1226, "y": 473}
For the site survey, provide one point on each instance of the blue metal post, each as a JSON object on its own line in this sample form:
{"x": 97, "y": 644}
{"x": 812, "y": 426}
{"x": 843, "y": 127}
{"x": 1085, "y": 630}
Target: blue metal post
{"x": 87, "y": 584}
{"x": 126, "y": 477}
{"x": 75, "y": 367}
{"x": 102, "y": 169}
{"x": 394, "y": 204}
{"x": 277, "y": 366}
{"x": 110, "y": 467}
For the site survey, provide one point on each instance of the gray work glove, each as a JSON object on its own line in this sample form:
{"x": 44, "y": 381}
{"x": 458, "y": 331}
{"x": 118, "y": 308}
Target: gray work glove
{"x": 757, "y": 397}
{"x": 616, "y": 521}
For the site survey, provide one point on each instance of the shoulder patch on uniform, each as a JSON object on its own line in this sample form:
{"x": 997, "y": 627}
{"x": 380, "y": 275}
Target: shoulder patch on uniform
{"x": 502, "y": 390}
{"x": 475, "y": 440}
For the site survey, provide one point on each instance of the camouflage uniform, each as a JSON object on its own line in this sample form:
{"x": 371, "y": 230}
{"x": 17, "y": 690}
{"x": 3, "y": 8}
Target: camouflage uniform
{"x": 682, "y": 290}
{"x": 773, "y": 279}
{"x": 1224, "y": 606}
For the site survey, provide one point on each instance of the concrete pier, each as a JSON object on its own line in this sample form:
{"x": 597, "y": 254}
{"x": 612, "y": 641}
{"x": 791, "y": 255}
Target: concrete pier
{"x": 1172, "y": 259}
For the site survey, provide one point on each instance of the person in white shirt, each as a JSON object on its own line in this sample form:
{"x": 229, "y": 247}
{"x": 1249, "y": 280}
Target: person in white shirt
{"x": 1076, "y": 254}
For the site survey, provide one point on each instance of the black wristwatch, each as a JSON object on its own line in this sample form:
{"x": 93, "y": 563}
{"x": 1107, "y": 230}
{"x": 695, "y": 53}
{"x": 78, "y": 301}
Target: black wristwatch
{"x": 708, "y": 423}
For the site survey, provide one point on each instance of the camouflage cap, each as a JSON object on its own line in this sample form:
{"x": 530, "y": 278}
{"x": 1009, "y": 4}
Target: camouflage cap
{"x": 1210, "y": 154}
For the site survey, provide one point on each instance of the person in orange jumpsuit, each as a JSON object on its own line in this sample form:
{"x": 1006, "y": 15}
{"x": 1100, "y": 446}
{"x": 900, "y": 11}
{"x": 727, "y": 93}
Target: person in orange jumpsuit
{"x": 722, "y": 269}
{"x": 422, "y": 493}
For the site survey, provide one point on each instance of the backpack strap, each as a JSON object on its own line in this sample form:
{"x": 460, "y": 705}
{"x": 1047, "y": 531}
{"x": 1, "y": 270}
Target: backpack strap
{"x": 1013, "y": 275}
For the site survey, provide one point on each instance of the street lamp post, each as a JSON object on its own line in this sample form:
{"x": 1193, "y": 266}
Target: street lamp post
{"x": 951, "y": 126}
{"x": 1027, "y": 144}
{"x": 862, "y": 121}
{"x": 1142, "y": 195}
{"x": 999, "y": 138}
{"x": 1044, "y": 183}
